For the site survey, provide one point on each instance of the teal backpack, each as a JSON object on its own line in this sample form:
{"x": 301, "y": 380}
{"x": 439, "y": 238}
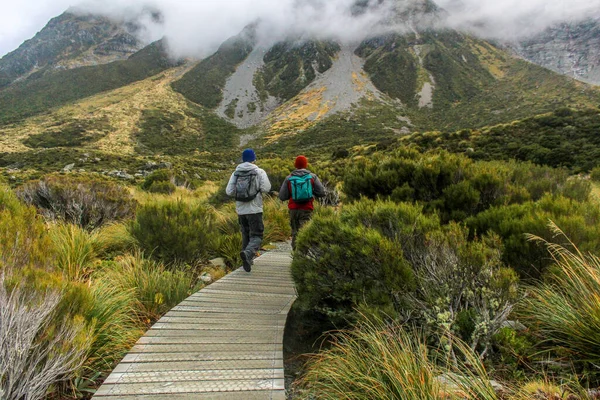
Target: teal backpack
{"x": 302, "y": 188}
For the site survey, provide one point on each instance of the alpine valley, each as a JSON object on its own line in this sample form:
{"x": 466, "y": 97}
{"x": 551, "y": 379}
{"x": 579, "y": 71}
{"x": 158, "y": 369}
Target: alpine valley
{"x": 86, "y": 88}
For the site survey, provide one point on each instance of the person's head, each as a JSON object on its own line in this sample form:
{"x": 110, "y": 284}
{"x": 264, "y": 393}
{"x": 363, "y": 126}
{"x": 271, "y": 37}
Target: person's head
{"x": 248, "y": 155}
{"x": 301, "y": 162}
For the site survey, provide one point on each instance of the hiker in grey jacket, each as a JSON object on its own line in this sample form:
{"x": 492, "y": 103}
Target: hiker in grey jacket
{"x": 300, "y": 209}
{"x": 250, "y": 211}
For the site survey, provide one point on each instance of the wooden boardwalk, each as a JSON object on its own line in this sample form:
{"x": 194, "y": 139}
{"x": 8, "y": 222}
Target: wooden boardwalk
{"x": 224, "y": 342}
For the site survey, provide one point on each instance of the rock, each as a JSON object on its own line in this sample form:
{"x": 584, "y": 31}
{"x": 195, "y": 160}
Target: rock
{"x": 206, "y": 278}
{"x": 217, "y": 262}
{"x": 12, "y": 178}
{"x": 82, "y": 170}
{"x": 68, "y": 168}
{"x": 153, "y": 166}
{"x": 150, "y": 166}
{"x": 121, "y": 175}
{"x": 515, "y": 325}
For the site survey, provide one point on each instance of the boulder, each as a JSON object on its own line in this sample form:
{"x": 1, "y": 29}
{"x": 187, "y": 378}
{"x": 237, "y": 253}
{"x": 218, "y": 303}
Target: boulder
{"x": 68, "y": 168}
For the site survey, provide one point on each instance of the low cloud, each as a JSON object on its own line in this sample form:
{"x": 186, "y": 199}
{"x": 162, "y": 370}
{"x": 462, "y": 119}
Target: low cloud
{"x": 195, "y": 28}
{"x": 515, "y": 19}
{"x": 198, "y": 28}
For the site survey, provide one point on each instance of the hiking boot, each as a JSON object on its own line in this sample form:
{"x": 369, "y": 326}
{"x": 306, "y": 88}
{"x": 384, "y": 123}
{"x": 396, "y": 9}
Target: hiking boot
{"x": 247, "y": 261}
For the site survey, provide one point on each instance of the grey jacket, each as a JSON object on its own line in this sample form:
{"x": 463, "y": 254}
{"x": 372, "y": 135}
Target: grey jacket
{"x": 255, "y": 206}
{"x": 318, "y": 188}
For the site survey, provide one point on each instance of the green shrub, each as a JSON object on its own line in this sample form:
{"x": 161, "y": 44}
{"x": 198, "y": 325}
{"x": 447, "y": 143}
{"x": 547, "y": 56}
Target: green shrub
{"x": 464, "y": 290}
{"x": 161, "y": 175}
{"x": 174, "y": 231}
{"x": 580, "y": 221}
{"x": 162, "y": 188}
{"x": 455, "y": 186}
{"x": 404, "y": 223}
{"x": 338, "y": 267}
{"x": 84, "y": 201}
{"x": 595, "y": 175}
{"x": 23, "y": 239}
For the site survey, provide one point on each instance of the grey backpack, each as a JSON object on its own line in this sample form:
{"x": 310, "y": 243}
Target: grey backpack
{"x": 246, "y": 185}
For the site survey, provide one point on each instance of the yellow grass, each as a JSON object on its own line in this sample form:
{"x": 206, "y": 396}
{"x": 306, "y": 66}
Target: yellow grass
{"x": 494, "y": 61}
{"x": 595, "y": 196}
{"x": 299, "y": 114}
{"x": 121, "y": 107}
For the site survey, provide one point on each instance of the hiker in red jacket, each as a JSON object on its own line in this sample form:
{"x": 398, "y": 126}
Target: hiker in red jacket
{"x": 300, "y": 188}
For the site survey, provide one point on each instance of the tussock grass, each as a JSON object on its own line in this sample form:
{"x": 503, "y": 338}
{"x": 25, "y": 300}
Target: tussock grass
{"x": 566, "y": 309}
{"x": 276, "y": 220}
{"x": 114, "y": 239}
{"x": 115, "y": 327}
{"x": 76, "y": 250}
{"x": 376, "y": 362}
{"x": 156, "y": 289}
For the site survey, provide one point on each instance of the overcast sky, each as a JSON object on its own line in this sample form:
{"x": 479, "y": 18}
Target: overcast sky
{"x": 197, "y": 26}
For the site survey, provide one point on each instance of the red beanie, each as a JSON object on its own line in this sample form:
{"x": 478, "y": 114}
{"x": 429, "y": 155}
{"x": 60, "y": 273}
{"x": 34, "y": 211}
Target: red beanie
{"x": 301, "y": 162}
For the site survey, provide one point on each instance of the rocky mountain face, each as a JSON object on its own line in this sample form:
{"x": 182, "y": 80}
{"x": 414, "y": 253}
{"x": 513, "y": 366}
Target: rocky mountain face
{"x": 69, "y": 41}
{"x": 571, "y": 49}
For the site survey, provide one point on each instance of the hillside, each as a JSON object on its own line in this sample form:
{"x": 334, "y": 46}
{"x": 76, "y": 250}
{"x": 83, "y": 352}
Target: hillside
{"x": 68, "y": 41}
{"x": 120, "y": 131}
{"x": 45, "y": 90}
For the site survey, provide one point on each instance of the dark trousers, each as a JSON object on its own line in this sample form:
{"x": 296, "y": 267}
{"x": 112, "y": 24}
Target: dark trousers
{"x": 297, "y": 219}
{"x": 252, "y": 232}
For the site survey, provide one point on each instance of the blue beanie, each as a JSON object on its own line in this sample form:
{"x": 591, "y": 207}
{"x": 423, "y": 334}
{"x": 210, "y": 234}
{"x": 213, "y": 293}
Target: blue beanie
{"x": 248, "y": 155}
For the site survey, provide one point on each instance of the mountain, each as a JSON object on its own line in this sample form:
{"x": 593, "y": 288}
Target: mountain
{"x": 316, "y": 94}
{"x": 73, "y": 39}
{"x": 571, "y": 49}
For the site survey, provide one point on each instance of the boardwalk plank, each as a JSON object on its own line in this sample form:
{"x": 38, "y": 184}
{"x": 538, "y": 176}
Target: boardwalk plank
{"x": 224, "y": 342}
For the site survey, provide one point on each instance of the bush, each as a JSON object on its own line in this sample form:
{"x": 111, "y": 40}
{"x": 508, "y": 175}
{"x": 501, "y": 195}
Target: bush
{"x": 404, "y": 223}
{"x": 23, "y": 239}
{"x": 162, "y": 188}
{"x": 38, "y": 348}
{"x": 455, "y": 186}
{"x": 530, "y": 259}
{"x": 161, "y": 175}
{"x": 84, "y": 201}
{"x": 464, "y": 290}
{"x": 337, "y": 268}
{"x": 595, "y": 175}
{"x": 174, "y": 231}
